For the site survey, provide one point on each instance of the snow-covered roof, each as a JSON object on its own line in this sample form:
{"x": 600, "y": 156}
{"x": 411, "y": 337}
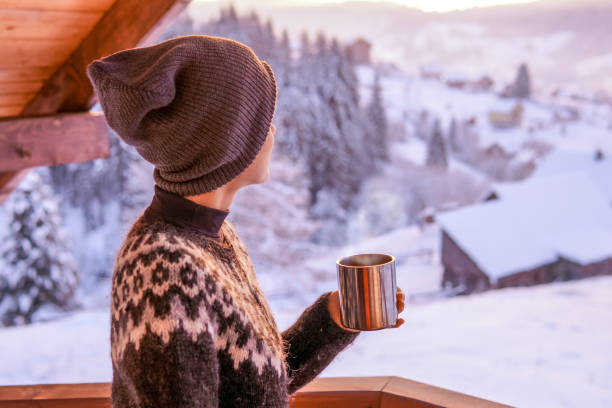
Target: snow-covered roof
{"x": 533, "y": 223}
{"x": 564, "y": 160}
{"x": 431, "y": 68}
{"x": 456, "y": 77}
{"x": 587, "y": 245}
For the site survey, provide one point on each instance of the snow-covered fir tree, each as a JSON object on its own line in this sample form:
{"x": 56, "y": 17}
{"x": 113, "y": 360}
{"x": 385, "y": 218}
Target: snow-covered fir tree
{"x": 247, "y": 29}
{"x": 38, "y": 264}
{"x": 422, "y": 125}
{"x": 453, "y": 138}
{"x": 349, "y": 160}
{"x": 522, "y": 83}
{"x": 379, "y": 141}
{"x": 285, "y": 57}
{"x": 436, "y": 148}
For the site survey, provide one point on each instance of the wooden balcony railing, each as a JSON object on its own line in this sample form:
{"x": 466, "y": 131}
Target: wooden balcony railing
{"x": 336, "y": 392}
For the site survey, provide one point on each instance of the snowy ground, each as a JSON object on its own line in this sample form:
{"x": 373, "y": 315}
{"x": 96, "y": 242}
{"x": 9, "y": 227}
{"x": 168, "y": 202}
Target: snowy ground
{"x": 545, "y": 346}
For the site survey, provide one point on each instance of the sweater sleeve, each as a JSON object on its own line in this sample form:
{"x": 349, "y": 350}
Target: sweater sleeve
{"x": 312, "y": 342}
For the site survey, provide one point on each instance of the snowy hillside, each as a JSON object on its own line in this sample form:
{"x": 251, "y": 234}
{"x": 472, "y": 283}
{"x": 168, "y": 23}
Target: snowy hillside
{"x": 407, "y": 93}
{"x": 545, "y": 346}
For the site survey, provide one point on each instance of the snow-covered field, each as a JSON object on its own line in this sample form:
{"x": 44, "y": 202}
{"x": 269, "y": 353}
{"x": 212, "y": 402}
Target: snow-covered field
{"x": 544, "y": 346}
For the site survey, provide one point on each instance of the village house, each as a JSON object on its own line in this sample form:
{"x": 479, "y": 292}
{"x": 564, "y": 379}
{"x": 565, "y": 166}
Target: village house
{"x": 468, "y": 83}
{"x": 541, "y": 230}
{"x": 484, "y": 83}
{"x": 430, "y": 71}
{"x": 504, "y": 119}
{"x": 359, "y": 51}
{"x": 456, "y": 80}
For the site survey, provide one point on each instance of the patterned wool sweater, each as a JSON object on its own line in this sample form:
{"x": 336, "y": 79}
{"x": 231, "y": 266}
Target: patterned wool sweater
{"x": 190, "y": 326}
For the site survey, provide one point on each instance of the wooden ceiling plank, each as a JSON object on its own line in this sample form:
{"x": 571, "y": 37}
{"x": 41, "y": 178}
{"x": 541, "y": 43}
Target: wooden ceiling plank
{"x": 16, "y": 99}
{"x": 34, "y": 53}
{"x": 69, "y": 5}
{"x": 50, "y": 140}
{"x": 19, "y": 87}
{"x": 45, "y": 24}
{"x": 16, "y": 74}
{"x": 10, "y": 110}
{"x": 127, "y": 23}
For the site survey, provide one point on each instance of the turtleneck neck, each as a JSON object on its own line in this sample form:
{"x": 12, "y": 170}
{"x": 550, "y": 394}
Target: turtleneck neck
{"x": 179, "y": 211}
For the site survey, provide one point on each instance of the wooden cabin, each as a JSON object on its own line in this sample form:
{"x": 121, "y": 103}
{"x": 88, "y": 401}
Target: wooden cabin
{"x": 45, "y": 98}
{"x": 541, "y": 230}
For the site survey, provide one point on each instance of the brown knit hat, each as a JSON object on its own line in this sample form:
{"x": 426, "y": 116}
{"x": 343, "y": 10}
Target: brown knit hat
{"x": 197, "y": 107}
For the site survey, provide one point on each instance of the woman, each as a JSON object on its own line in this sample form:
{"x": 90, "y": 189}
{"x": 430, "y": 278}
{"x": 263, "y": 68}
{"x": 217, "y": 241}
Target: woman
{"x": 190, "y": 326}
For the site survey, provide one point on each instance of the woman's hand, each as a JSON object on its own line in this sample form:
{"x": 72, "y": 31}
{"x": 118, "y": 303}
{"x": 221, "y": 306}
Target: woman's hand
{"x": 334, "y": 309}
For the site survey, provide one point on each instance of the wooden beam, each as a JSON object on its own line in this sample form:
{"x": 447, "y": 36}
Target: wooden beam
{"x": 127, "y": 23}
{"x": 340, "y": 392}
{"x": 91, "y": 395}
{"x": 50, "y": 140}
{"x": 401, "y": 392}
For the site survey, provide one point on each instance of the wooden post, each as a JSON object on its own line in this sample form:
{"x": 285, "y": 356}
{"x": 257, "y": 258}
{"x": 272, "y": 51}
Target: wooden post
{"x": 27, "y": 142}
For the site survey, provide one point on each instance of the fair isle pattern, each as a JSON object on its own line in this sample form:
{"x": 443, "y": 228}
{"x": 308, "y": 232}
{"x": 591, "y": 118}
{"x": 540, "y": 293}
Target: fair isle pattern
{"x": 203, "y": 294}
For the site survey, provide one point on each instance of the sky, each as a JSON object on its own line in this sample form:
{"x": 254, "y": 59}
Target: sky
{"x": 424, "y": 5}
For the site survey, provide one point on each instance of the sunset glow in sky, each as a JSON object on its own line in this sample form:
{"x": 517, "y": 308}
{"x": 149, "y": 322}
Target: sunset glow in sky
{"x": 425, "y": 5}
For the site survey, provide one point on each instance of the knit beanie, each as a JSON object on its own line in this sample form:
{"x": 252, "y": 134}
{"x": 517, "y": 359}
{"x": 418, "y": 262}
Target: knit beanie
{"x": 197, "y": 107}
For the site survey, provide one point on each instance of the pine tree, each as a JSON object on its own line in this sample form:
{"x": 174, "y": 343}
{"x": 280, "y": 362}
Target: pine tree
{"x": 522, "y": 83}
{"x": 39, "y": 267}
{"x": 349, "y": 162}
{"x": 232, "y": 15}
{"x": 321, "y": 44}
{"x": 452, "y": 136}
{"x": 422, "y": 126}
{"x": 285, "y": 62}
{"x": 285, "y": 46}
{"x": 379, "y": 143}
{"x": 436, "y": 149}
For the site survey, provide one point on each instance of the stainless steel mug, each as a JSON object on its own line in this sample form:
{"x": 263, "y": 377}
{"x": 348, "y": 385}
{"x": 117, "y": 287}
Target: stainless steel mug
{"x": 367, "y": 291}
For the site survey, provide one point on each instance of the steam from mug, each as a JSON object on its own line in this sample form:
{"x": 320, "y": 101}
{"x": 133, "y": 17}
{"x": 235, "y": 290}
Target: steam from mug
{"x": 367, "y": 290}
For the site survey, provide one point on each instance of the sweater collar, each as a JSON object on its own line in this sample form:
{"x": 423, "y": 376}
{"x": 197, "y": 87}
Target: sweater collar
{"x": 180, "y": 211}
